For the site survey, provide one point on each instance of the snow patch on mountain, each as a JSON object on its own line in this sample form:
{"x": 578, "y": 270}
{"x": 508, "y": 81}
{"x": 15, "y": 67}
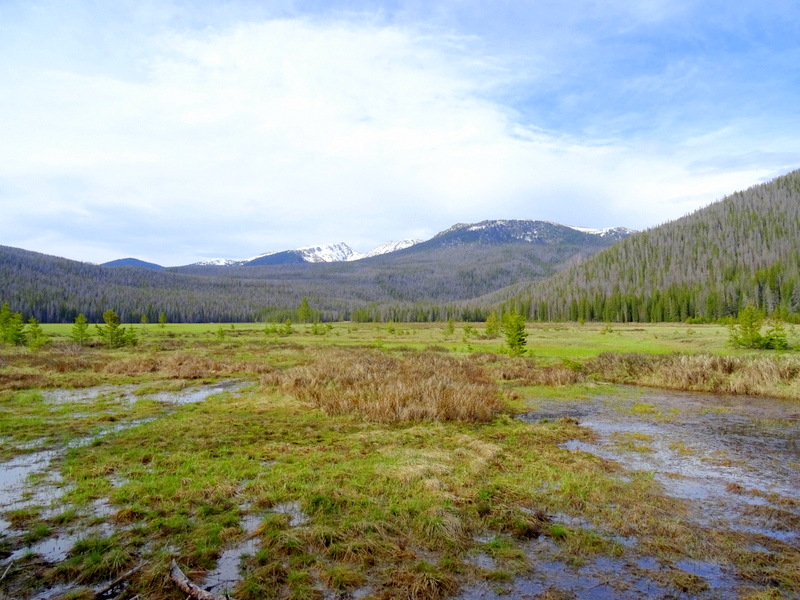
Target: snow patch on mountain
{"x": 615, "y": 231}
{"x": 219, "y": 262}
{"x": 392, "y": 247}
{"x": 329, "y": 253}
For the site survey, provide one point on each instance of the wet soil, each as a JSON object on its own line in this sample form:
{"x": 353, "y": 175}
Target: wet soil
{"x": 30, "y": 483}
{"x": 734, "y": 460}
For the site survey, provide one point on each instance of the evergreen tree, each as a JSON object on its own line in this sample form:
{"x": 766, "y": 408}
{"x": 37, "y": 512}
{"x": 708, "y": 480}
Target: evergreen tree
{"x": 11, "y": 326}
{"x": 112, "y": 334}
{"x": 80, "y": 330}
{"x": 451, "y": 327}
{"x": 516, "y": 337}
{"x": 36, "y": 337}
{"x": 492, "y": 325}
{"x": 162, "y": 319}
{"x": 304, "y": 311}
{"x": 775, "y": 338}
{"x": 746, "y": 332}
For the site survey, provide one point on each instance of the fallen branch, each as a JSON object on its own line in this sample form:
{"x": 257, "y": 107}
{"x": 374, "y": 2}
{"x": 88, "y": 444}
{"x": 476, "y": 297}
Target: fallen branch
{"x": 187, "y": 586}
{"x": 8, "y": 568}
{"x": 118, "y": 581}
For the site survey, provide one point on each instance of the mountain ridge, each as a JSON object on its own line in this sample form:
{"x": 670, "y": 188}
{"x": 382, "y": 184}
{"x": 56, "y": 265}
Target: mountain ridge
{"x": 342, "y": 252}
{"x": 450, "y": 269}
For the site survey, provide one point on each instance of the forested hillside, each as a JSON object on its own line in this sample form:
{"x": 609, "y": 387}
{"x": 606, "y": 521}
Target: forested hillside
{"x": 744, "y": 249}
{"x": 432, "y": 280}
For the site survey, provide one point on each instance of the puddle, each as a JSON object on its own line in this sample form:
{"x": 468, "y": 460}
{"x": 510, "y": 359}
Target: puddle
{"x": 601, "y": 579}
{"x": 16, "y": 472}
{"x": 55, "y": 549}
{"x": 703, "y": 448}
{"x": 732, "y": 458}
{"x": 226, "y": 574}
{"x": 87, "y": 395}
{"x": 54, "y": 592}
{"x": 192, "y": 395}
{"x": 297, "y": 517}
{"x": 32, "y": 480}
{"x": 127, "y": 393}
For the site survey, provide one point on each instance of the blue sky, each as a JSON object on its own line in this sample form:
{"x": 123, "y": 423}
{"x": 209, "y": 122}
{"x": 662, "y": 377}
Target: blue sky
{"x": 180, "y": 131}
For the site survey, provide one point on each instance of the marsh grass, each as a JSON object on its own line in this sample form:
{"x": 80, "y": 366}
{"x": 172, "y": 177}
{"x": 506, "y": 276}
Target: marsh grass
{"x": 401, "y": 462}
{"x": 777, "y": 376}
{"x": 379, "y": 387}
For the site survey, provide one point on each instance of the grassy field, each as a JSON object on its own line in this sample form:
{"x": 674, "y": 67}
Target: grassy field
{"x": 394, "y": 445}
{"x": 553, "y": 340}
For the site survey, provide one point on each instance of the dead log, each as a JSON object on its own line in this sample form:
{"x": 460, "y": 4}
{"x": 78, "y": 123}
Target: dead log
{"x": 196, "y": 592}
{"x": 100, "y": 594}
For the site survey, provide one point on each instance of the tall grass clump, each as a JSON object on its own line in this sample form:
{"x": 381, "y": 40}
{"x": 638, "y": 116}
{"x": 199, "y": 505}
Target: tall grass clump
{"x": 776, "y": 376}
{"x": 417, "y": 387}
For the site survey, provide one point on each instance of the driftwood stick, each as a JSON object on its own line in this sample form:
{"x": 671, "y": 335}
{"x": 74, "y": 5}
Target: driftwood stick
{"x": 8, "y": 568}
{"x": 187, "y": 586}
{"x": 119, "y": 580}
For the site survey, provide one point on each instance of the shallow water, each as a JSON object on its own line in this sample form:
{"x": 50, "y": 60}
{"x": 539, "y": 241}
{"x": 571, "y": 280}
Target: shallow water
{"x": 32, "y": 480}
{"x": 735, "y": 460}
{"x": 226, "y": 574}
{"x": 723, "y": 461}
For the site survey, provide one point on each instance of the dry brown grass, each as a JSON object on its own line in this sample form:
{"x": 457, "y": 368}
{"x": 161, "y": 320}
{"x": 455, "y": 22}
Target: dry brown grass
{"x": 524, "y": 371}
{"x": 423, "y": 581}
{"x": 419, "y": 387}
{"x": 777, "y": 376}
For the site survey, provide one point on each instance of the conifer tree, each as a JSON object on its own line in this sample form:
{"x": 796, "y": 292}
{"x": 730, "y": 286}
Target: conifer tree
{"x": 516, "y": 337}
{"x": 80, "y": 330}
{"x": 11, "y": 326}
{"x": 36, "y": 337}
{"x": 112, "y": 334}
{"x": 492, "y": 325}
{"x": 304, "y": 311}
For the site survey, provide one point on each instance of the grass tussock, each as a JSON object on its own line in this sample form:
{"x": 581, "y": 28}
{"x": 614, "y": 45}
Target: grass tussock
{"x": 777, "y": 376}
{"x": 420, "y": 387}
{"x": 526, "y": 372}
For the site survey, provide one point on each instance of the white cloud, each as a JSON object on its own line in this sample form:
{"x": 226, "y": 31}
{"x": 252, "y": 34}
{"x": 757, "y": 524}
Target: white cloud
{"x": 286, "y": 133}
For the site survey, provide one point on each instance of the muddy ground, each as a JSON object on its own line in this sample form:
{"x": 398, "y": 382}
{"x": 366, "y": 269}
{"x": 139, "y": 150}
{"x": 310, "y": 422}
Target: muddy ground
{"x": 734, "y": 461}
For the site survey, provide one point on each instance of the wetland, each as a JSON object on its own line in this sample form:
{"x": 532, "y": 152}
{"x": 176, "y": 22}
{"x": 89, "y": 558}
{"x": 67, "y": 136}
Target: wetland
{"x": 404, "y": 463}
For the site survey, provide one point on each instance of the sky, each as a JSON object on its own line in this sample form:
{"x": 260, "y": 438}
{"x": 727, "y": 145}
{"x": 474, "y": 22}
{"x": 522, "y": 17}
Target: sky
{"x": 176, "y": 131}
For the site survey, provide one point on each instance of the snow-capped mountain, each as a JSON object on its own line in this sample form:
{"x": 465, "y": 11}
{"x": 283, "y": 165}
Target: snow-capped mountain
{"x": 329, "y": 253}
{"x": 219, "y": 262}
{"x": 610, "y": 232}
{"x": 339, "y": 252}
{"x": 495, "y": 232}
{"x": 391, "y": 247}
{"x": 492, "y": 232}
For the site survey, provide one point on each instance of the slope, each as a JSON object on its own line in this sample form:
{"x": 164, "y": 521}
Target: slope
{"x": 743, "y": 249}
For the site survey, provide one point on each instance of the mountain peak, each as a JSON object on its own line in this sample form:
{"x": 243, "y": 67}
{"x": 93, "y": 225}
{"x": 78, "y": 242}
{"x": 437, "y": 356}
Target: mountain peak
{"x": 526, "y": 230}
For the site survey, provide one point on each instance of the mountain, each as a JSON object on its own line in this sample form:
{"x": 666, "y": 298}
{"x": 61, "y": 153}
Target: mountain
{"x": 219, "y": 262}
{"x": 424, "y": 281}
{"x": 744, "y": 249}
{"x": 499, "y": 232}
{"x": 132, "y": 262}
{"x": 312, "y": 254}
{"x": 391, "y": 247}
